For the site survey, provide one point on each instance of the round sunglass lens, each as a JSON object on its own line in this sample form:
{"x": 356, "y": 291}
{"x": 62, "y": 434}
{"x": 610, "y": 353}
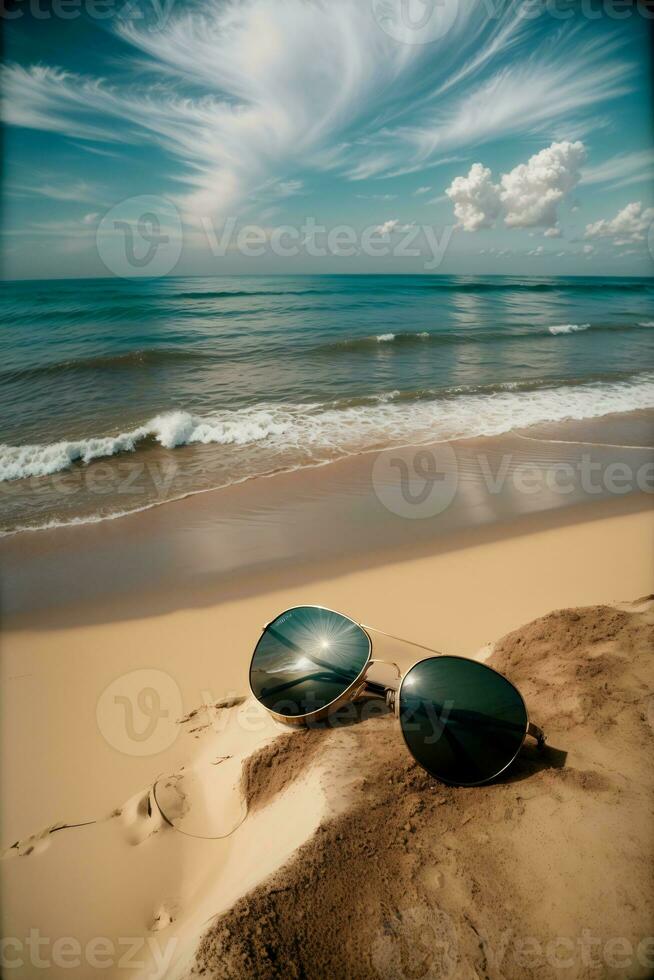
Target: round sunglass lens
{"x": 307, "y": 658}
{"x": 462, "y": 721}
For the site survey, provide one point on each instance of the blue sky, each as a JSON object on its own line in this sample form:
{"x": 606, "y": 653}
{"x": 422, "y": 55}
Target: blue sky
{"x": 520, "y": 135}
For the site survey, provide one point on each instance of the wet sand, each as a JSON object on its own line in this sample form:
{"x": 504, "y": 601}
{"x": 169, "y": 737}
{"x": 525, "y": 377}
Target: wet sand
{"x": 349, "y": 514}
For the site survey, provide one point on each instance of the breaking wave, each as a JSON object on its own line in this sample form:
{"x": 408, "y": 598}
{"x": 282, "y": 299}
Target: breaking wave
{"x": 324, "y": 431}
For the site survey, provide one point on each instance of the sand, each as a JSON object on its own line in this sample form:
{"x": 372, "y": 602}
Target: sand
{"x": 548, "y": 872}
{"x": 350, "y": 862}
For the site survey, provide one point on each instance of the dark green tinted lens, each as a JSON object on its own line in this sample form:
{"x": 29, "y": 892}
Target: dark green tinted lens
{"x": 461, "y": 720}
{"x": 305, "y": 659}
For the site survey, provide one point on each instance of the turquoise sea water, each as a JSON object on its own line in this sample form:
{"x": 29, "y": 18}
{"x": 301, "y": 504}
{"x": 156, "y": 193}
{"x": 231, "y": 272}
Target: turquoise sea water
{"x": 181, "y": 384}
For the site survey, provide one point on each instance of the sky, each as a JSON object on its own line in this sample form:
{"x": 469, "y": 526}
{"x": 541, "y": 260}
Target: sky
{"x": 153, "y": 137}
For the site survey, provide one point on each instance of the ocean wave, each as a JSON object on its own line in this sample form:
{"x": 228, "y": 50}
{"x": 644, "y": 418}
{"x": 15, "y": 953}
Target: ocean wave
{"x": 647, "y": 323}
{"x": 569, "y": 328}
{"x": 170, "y": 430}
{"x": 475, "y": 286}
{"x": 108, "y": 362}
{"x": 473, "y": 336}
{"x": 245, "y": 293}
{"x": 323, "y": 431}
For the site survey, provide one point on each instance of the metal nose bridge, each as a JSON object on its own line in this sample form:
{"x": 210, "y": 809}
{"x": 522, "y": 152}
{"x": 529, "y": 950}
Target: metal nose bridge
{"x": 377, "y": 689}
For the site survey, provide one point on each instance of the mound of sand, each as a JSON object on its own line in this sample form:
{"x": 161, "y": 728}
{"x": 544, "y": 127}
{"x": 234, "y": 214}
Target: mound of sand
{"x": 547, "y": 873}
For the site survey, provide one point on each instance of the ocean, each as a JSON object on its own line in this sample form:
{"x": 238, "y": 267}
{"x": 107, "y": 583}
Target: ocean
{"x": 116, "y": 396}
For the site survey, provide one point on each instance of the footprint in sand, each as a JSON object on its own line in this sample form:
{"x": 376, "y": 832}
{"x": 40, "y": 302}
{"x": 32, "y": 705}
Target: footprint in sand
{"x": 164, "y": 916}
{"x": 39, "y": 842}
{"x": 141, "y": 817}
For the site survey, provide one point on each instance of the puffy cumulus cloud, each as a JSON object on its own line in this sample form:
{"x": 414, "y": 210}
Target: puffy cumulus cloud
{"x": 476, "y": 198}
{"x": 629, "y": 225}
{"x": 532, "y": 191}
{"x": 388, "y": 227}
{"x": 526, "y": 197}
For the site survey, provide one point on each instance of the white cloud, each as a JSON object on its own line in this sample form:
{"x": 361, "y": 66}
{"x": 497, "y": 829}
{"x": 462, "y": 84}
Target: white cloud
{"x": 243, "y": 93}
{"x": 78, "y": 190}
{"x": 422, "y": 190}
{"x": 621, "y": 170}
{"x": 526, "y": 197}
{"x": 58, "y": 229}
{"x": 552, "y": 233}
{"x": 537, "y": 251}
{"x": 533, "y": 96}
{"x": 246, "y": 93}
{"x": 476, "y": 198}
{"x": 388, "y": 227}
{"x": 588, "y": 249}
{"x": 287, "y": 188}
{"x": 532, "y": 191}
{"x": 377, "y": 197}
{"x": 629, "y": 225}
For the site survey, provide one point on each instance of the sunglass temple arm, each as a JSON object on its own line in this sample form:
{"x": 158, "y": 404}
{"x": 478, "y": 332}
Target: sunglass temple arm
{"x": 536, "y": 733}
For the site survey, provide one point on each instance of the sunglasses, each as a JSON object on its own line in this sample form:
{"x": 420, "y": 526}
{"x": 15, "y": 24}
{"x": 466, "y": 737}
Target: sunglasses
{"x": 462, "y": 721}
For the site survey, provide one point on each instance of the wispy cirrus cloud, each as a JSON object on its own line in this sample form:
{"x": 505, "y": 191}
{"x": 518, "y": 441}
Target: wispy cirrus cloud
{"x": 78, "y": 191}
{"x": 245, "y": 95}
{"x": 622, "y": 169}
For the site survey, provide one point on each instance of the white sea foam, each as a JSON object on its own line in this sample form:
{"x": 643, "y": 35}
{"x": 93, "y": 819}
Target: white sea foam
{"x": 321, "y": 432}
{"x": 647, "y": 323}
{"x": 169, "y": 430}
{"x": 569, "y": 328}
{"x": 385, "y": 338}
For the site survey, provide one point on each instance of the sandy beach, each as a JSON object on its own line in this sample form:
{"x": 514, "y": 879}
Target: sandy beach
{"x": 155, "y": 811}
{"x": 326, "y": 325}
